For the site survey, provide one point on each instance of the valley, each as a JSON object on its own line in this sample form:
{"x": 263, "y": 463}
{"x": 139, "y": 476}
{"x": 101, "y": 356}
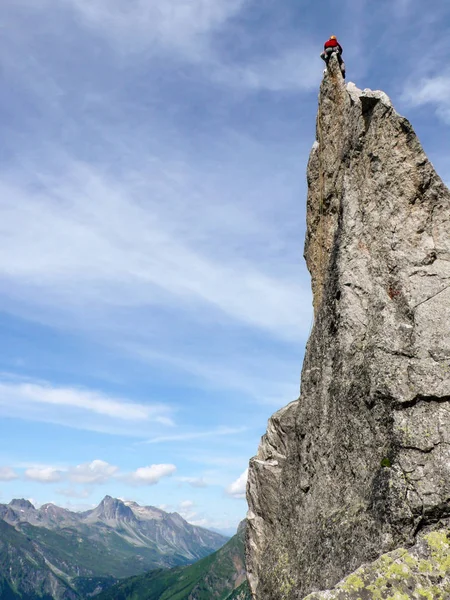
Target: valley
{"x": 58, "y": 554}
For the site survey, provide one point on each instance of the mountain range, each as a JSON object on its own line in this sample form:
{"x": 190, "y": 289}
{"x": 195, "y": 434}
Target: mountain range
{"x": 52, "y": 553}
{"x": 220, "y": 576}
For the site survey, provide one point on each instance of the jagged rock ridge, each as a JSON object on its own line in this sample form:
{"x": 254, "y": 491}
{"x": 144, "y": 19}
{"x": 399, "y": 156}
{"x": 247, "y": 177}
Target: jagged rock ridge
{"x": 141, "y": 526}
{"x": 360, "y": 464}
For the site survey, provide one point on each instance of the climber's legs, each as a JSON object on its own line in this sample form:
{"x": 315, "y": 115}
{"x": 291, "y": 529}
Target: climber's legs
{"x": 326, "y": 54}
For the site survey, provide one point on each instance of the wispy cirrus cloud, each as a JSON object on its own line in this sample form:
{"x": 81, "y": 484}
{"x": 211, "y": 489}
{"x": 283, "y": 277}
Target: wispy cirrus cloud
{"x": 78, "y": 408}
{"x": 83, "y": 399}
{"x": 119, "y": 264}
{"x": 265, "y": 378}
{"x": 115, "y": 252}
{"x": 197, "y": 435}
{"x": 189, "y": 29}
{"x": 187, "y": 33}
{"x": 171, "y": 24}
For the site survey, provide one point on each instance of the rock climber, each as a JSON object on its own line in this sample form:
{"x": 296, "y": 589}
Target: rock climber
{"x": 332, "y": 46}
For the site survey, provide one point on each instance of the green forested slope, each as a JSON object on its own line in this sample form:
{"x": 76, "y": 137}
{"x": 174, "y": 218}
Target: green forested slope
{"x": 241, "y": 593}
{"x": 24, "y": 574}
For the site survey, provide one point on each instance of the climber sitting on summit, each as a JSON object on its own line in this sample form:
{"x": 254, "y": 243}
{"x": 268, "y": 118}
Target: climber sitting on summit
{"x": 332, "y": 46}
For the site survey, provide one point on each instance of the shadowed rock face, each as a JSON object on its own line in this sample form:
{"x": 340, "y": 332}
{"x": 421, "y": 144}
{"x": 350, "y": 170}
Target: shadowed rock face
{"x": 360, "y": 464}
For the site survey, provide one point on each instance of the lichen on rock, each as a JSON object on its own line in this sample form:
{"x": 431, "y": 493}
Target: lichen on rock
{"x": 421, "y": 572}
{"x": 359, "y": 465}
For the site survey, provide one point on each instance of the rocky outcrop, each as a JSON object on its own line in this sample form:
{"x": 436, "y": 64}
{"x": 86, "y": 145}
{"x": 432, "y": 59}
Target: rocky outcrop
{"x": 421, "y": 572}
{"x": 111, "y": 511}
{"x": 359, "y": 466}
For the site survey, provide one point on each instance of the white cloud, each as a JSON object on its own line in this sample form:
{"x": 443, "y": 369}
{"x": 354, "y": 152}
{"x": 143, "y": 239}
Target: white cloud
{"x": 431, "y": 90}
{"x": 150, "y": 475}
{"x": 237, "y": 489}
{"x": 44, "y": 475}
{"x": 80, "y": 408}
{"x": 197, "y": 435}
{"x": 83, "y": 399}
{"x": 7, "y": 474}
{"x": 95, "y": 472}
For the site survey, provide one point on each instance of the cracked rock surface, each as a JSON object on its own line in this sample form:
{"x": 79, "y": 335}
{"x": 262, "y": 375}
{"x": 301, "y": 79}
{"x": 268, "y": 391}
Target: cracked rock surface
{"x": 359, "y": 466}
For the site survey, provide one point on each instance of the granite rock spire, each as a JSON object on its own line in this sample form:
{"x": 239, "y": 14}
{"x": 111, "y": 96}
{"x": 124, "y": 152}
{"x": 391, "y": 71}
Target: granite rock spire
{"x": 359, "y": 465}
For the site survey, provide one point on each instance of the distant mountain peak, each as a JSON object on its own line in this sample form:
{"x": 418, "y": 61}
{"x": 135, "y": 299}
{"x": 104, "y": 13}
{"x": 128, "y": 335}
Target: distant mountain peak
{"x": 108, "y": 499}
{"x": 131, "y": 539}
{"x": 21, "y": 503}
{"x": 112, "y": 509}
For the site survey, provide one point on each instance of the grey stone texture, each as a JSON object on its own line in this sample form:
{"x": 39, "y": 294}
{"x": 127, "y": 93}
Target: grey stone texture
{"x": 359, "y": 465}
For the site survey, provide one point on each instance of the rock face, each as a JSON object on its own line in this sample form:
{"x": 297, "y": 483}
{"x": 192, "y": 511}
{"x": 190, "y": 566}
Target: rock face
{"x": 360, "y": 465}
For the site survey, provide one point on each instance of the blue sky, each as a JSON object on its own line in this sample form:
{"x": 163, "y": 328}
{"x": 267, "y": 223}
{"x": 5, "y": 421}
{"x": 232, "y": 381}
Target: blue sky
{"x": 154, "y": 304}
